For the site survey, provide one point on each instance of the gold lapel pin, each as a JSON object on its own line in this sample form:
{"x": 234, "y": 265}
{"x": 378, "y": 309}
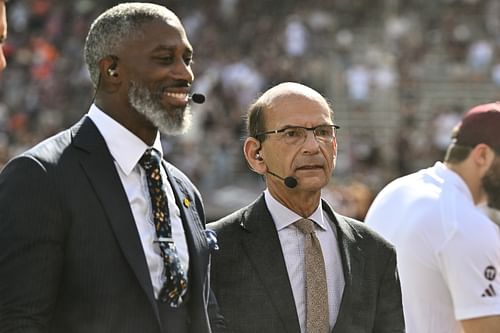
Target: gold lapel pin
{"x": 187, "y": 203}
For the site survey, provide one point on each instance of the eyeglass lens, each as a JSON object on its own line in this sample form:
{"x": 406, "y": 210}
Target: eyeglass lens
{"x": 298, "y": 135}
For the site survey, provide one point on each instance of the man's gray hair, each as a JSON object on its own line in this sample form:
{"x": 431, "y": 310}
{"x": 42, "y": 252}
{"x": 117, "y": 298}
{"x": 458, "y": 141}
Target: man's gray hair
{"x": 119, "y": 23}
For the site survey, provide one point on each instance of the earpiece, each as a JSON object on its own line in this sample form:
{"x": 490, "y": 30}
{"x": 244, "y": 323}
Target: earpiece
{"x": 112, "y": 72}
{"x": 258, "y": 157}
{"x": 112, "y": 69}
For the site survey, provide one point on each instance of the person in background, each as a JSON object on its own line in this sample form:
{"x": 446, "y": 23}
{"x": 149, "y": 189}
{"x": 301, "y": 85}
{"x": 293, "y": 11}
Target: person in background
{"x": 287, "y": 262}
{"x": 448, "y": 250}
{"x": 98, "y": 233}
{"x": 3, "y": 32}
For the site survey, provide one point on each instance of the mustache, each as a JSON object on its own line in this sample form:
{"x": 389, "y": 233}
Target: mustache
{"x": 316, "y": 161}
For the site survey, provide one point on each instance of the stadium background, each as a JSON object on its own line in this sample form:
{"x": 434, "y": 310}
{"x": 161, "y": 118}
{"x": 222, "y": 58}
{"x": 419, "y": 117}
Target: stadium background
{"x": 398, "y": 73}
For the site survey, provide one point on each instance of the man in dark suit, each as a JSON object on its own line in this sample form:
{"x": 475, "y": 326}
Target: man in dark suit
{"x": 288, "y": 262}
{"x": 98, "y": 234}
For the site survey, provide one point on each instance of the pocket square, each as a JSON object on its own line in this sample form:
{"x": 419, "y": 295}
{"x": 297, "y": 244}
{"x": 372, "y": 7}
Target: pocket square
{"x": 211, "y": 240}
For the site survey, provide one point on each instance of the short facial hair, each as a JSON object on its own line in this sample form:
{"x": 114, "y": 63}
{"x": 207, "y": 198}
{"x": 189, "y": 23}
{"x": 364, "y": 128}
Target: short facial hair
{"x": 173, "y": 121}
{"x": 491, "y": 184}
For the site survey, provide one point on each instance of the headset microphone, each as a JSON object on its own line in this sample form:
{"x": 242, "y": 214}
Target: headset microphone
{"x": 289, "y": 181}
{"x": 197, "y": 98}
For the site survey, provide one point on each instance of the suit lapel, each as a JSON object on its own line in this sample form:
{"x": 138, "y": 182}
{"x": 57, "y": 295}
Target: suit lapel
{"x": 100, "y": 169}
{"x": 193, "y": 227}
{"x": 262, "y": 246}
{"x": 352, "y": 265}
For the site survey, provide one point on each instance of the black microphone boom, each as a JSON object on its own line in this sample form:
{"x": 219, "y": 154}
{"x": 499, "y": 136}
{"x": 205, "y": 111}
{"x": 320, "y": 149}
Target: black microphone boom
{"x": 197, "y": 98}
{"x": 289, "y": 181}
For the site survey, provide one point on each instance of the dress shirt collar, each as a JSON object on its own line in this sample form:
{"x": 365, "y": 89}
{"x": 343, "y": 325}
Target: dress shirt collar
{"x": 283, "y": 216}
{"x": 125, "y": 147}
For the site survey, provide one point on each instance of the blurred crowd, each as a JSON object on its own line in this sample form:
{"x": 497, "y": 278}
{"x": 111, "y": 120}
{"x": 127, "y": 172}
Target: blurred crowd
{"x": 352, "y": 51}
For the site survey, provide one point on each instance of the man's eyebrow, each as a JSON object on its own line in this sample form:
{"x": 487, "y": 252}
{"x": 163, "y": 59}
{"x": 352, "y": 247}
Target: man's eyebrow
{"x": 171, "y": 48}
{"x": 164, "y": 47}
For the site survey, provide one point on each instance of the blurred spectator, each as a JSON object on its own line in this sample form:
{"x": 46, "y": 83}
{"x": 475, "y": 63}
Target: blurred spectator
{"x": 495, "y": 72}
{"x": 369, "y": 58}
{"x": 3, "y": 33}
{"x": 479, "y": 57}
{"x": 358, "y": 80}
{"x": 443, "y": 123}
{"x": 351, "y": 199}
{"x": 296, "y": 37}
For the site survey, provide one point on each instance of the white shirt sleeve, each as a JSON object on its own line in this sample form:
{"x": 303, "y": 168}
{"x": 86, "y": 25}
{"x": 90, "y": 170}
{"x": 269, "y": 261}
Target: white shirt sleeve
{"x": 471, "y": 266}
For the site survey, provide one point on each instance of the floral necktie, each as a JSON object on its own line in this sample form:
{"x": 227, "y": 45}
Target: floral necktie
{"x": 176, "y": 278}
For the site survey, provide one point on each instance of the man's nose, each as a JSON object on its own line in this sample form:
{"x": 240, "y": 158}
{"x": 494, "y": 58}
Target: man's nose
{"x": 311, "y": 142}
{"x": 182, "y": 71}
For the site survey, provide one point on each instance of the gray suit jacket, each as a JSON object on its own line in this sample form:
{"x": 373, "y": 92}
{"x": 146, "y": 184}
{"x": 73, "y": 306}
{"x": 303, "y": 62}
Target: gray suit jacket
{"x": 250, "y": 280}
{"x": 71, "y": 259}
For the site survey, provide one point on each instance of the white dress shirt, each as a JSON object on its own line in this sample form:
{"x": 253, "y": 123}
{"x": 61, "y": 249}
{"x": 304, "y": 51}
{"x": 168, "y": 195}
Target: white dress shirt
{"x": 292, "y": 244}
{"x": 127, "y": 149}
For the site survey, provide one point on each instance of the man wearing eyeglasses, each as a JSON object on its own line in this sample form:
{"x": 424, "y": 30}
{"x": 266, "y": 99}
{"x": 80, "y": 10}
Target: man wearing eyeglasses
{"x": 288, "y": 262}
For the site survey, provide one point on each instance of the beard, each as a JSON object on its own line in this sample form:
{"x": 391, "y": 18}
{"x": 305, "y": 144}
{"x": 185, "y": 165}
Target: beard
{"x": 491, "y": 184}
{"x": 175, "y": 120}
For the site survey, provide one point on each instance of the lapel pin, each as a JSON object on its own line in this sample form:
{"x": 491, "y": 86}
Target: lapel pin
{"x": 187, "y": 203}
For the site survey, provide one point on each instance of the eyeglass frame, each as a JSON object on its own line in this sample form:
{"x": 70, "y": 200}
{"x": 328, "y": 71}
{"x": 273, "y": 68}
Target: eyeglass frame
{"x": 313, "y": 129}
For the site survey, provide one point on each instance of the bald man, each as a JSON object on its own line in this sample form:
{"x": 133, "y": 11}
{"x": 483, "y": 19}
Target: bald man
{"x": 288, "y": 262}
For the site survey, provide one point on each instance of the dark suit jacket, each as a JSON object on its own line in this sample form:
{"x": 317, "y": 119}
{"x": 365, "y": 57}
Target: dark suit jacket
{"x": 250, "y": 280}
{"x": 70, "y": 255}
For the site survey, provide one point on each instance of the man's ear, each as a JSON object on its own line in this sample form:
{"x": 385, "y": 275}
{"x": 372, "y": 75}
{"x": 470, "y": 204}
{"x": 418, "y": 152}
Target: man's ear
{"x": 109, "y": 69}
{"x": 253, "y": 155}
{"x": 483, "y": 156}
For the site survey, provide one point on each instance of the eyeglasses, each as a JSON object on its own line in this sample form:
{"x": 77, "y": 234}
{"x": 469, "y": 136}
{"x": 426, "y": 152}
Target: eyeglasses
{"x": 296, "y": 135}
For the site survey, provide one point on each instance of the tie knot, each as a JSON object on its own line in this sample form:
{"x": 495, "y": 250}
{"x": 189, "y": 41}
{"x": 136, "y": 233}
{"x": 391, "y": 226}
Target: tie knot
{"x": 305, "y": 226}
{"x": 150, "y": 159}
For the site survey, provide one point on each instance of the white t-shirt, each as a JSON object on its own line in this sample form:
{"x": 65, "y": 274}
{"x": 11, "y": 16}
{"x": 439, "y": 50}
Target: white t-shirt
{"x": 448, "y": 251}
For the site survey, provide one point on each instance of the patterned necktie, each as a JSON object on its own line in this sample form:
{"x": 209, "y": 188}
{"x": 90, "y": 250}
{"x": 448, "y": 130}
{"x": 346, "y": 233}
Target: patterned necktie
{"x": 176, "y": 279}
{"x": 316, "y": 289}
